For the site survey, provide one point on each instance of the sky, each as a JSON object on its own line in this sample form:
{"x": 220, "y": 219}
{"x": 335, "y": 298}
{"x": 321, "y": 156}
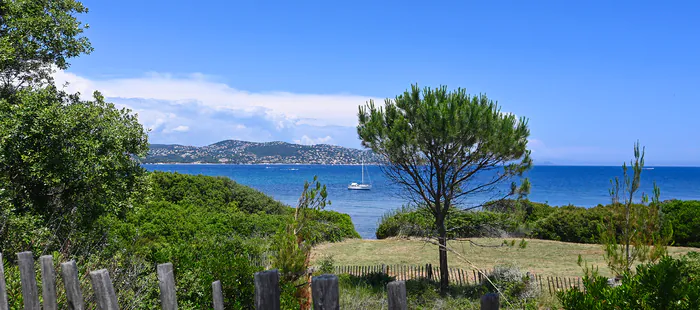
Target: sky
{"x": 592, "y": 77}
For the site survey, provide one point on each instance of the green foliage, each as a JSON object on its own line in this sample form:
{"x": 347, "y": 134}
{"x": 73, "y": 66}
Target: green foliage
{"x": 36, "y": 35}
{"x": 419, "y": 222}
{"x": 684, "y": 217}
{"x": 212, "y": 191}
{"x": 293, "y": 245}
{"x": 442, "y": 146}
{"x": 571, "y": 224}
{"x": 21, "y": 232}
{"x": 326, "y": 265}
{"x": 510, "y": 281}
{"x": 406, "y": 221}
{"x": 66, "y": 160}
{"x": 536, "y": 220}
{"x": 133, "y": 278}
{"x": 196, "y": 223}
{"x": 642, "y": 236}
{"x": 329, "y": 226}
{"x": 523, "y": 210}
{"x": 669, "y": 284}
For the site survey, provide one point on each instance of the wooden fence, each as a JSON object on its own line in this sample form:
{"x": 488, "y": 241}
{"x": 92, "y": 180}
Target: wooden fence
{"x": 457, "y": 276}
{"x": 324, "y": 288}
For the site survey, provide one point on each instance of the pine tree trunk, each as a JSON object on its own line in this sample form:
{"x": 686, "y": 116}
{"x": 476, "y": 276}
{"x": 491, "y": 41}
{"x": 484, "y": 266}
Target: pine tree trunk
{"x": 444, "y": 272}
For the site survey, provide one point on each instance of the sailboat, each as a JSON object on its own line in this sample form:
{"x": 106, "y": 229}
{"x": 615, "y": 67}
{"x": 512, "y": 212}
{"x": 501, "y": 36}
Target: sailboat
{"x": 361, "y": 185}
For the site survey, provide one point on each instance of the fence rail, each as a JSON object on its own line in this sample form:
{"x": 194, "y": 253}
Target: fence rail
{"x": 457, "y": 276}
{"x": 324, "y": 288}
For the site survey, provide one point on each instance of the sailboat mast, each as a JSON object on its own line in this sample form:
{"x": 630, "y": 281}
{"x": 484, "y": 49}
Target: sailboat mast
{"x": 363, "y": 170}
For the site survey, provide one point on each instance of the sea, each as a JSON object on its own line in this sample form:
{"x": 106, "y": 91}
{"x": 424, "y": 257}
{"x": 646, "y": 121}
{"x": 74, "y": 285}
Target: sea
{"x": 584, "y": 186}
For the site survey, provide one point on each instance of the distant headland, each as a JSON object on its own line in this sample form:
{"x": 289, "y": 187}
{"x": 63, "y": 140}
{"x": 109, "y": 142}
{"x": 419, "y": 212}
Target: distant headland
{"x": 245, "y": 152}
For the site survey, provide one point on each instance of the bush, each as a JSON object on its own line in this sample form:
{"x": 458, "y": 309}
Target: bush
{"x": 207, "y": 191}
{"x": 535, "y": 220}
{"x": 419, "y": 222}
{"x": 684, "y": 218}
{"x": 669, "y": 284}
{"x": 571, "y": 224}
{"x": 406, "y": 221}
{"x": 512, "y": 282}
{"x": 524, "y": 210}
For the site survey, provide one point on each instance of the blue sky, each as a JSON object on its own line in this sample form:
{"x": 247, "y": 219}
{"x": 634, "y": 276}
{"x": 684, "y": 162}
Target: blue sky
{"x": 592, "y": 77}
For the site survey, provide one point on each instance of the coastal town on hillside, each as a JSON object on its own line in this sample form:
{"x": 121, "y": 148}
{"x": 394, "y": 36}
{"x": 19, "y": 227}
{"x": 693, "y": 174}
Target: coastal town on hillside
{"x": 244, "y": 152}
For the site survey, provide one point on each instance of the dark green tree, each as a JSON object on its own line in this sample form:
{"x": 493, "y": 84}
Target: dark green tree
{"x": 444, "y": 146}
{"x": 68, "y": 160}
{"x": 37, "y": 37}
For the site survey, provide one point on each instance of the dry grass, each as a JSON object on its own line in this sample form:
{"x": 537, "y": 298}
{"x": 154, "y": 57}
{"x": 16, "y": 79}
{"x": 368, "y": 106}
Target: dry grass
{"x": 540, "y": 256}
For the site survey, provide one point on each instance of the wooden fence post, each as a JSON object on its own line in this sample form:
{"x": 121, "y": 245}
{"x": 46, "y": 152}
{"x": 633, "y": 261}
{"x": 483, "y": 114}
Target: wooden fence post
{"x": 104, "y": 290}
{"x": 3, "y": 288}
{"x": 30, "y": 292}
{"x": 429, "y": 269}
{"x": 267, "y": 290}
{"x": 490, "y": 302}
{"x": 217, "y": 295}
{"x": 48, "y": 282}
{"x": 396, "y": 294}
{"x": 74, "y": 296}
{"x": 325, "y": 292}
{"x": 384, "y": 271}
{"x": 166, "y": 282}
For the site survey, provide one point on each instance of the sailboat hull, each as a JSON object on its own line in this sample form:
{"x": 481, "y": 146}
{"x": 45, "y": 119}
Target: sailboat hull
{"x": 360, "y": 187}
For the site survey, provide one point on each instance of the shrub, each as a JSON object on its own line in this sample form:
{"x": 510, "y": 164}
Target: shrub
{"x": 524, "y": 210}
{"x": 406, "y": 221}
{"x": 512, "y": 282}
{"x": 330, "y": 226}
{"x": 211, "y": 192}
{"x": 684, "y": 218}
{"x": 327, "y": 265}
{"x": 571, "y": 224}
{"x": 418, "y": 222}
{"x": 669, "y": 284}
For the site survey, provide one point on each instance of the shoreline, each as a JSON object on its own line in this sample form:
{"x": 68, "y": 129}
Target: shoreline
{"x": 262, "y": 164}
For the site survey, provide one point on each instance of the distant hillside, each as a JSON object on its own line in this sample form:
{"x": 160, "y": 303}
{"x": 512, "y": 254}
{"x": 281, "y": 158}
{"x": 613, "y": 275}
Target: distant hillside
{"x": 243, "y": 152}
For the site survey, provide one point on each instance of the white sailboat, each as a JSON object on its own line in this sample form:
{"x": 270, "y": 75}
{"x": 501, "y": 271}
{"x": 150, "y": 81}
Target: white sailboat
{"x": 361, "y": 185}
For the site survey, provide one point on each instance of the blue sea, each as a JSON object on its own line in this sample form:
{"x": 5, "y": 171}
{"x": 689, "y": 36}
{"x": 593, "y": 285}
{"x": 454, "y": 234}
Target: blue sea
{"x": 584, "y": 186}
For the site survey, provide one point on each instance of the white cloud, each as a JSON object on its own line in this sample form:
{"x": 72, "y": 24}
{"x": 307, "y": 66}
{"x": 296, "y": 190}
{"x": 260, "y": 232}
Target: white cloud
{"x": 181, "y": 128}
{"x": 314, "y": 109}
{"x": 193, "y": 110}
{"x": 310, "y": 141}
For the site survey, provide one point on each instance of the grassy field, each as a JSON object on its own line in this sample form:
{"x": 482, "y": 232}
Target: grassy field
{"x": 540, "y": 256}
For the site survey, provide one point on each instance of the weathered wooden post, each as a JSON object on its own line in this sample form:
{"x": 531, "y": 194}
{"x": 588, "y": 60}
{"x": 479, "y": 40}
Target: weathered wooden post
{"x": 325, "y": 292}
{"x": 3, "y": 288}
{"x": 267, "y": 290}
{"x": 104, "y": 291}
{"x": 396, "y": 294}
{"x": 166, "y": 282}
{"x": 74, "y": 296}
{"x": 217, "y": 295}
{"x": 384, "y": 270}
{"x": 490, "y": 302}
{"x": 27, "y": 274}
{"x": 48, "y": 282}
{"x": 429, "y": 269}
